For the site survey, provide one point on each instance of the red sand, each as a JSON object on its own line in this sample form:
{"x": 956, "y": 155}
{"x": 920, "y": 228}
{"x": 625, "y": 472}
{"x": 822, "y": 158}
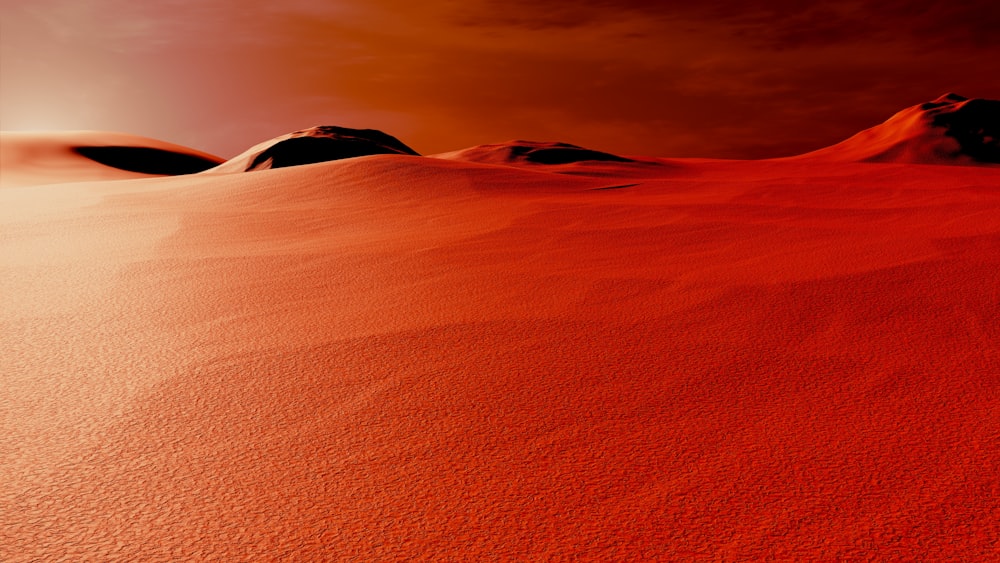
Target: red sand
{"x": 407, "y": 358}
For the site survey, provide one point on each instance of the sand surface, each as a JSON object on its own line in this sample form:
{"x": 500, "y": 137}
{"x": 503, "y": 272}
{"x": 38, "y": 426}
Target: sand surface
{"x": 419, "y": 359}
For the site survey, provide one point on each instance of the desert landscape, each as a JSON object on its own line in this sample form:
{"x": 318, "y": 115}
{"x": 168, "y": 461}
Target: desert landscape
{"x": 331, "y": 348}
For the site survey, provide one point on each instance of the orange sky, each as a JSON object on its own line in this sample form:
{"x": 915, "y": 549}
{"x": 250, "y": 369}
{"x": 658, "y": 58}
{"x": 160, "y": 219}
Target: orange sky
{"x": 713, "y": 78}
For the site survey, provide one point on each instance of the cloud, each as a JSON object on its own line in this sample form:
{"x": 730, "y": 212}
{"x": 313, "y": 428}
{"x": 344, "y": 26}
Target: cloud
{"x": 778, "y": 24}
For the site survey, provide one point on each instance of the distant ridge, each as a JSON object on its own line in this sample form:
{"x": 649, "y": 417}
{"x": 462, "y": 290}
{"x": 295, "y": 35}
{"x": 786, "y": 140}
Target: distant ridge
{"x": 531, "y": 152}
{"x": 315, "y": 144}
{"x": 952, "y": 129}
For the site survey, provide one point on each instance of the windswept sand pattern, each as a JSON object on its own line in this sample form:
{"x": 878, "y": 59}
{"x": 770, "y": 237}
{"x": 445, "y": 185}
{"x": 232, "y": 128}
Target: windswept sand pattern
{"x": 403, "y": 358}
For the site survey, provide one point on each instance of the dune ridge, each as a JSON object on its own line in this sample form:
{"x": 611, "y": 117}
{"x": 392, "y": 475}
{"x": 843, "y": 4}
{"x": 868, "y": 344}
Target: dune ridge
{"x": 316, "y": 144}
{"x": 952, "y": 129}
{"x": 531, "y": 152}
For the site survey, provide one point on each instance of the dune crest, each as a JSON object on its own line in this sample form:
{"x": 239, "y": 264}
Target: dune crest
{"x": 315, "y": 144}
{"x": 952, "y": 129}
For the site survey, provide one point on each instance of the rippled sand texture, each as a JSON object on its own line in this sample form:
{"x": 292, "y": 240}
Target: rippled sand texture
{"x": 408, "y": 358}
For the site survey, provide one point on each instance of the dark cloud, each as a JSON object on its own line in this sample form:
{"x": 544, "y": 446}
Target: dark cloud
{"x": 740, "y": 79}
{"x": 776, "y": 23}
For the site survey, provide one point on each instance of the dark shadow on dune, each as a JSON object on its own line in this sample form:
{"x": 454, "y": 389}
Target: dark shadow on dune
{"x": 146, "y": 160}
{"x": 310, "y": 150}
{"x": 976, "y": 127}
{"x": 564, "y": 154}
{"x": 325, "y": 143}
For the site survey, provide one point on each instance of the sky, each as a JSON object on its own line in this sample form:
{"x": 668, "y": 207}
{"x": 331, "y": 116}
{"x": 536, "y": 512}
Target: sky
{"x": 703, "y": 78}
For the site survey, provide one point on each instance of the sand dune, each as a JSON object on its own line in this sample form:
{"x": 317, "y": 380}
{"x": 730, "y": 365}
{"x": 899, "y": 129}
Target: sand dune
{"x": 400, "y": 358}
{"x": 76, "y": 156}
{"x": 949, "y": 130}
{"x": 313, "y": 145}
{"x": 531, "y": 152}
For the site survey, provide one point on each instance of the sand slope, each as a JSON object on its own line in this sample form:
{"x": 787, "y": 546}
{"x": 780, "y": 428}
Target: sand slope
{"x": 397, "y": 358}
{"x": 949, "y": 130}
